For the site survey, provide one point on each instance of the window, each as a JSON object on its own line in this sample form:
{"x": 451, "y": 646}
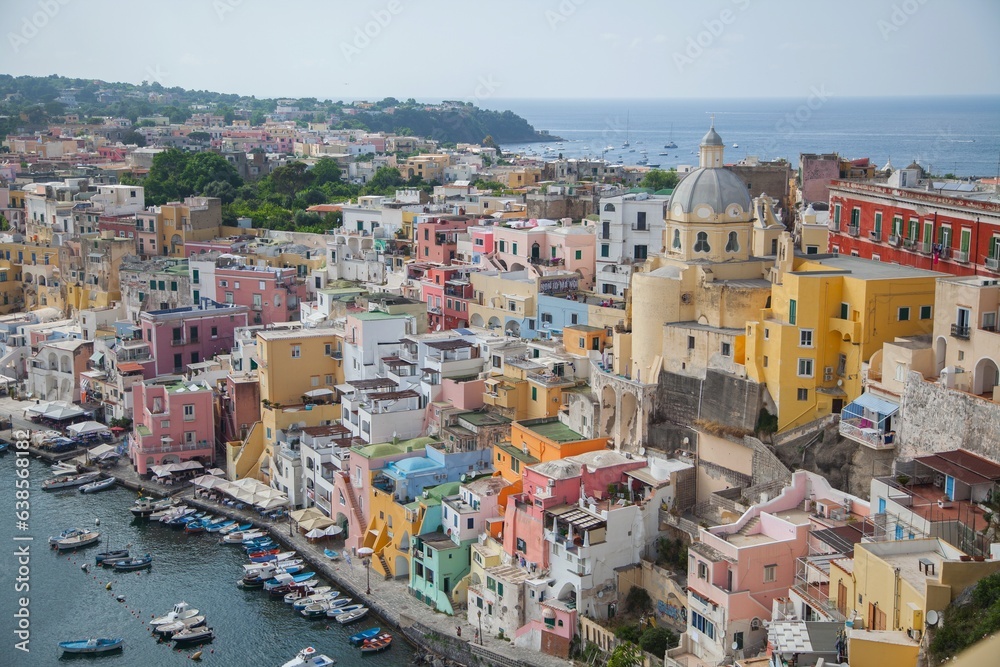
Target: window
{"x": 733, "y": 245}
{"x": 904, "y": 313}
{"x": 640, "y": 221}
{"x": 676, "y": 244}
{"x": 296, "y": 351}
{"x": 845, "y": 311}
{"x": 573, "y": 317}
{"x": 690, "y": 342}
{"x": 913, "y": 230}
{"x": 805, "y": 368}
{"x": 803, "y": 394}
{"x": 793, "y": 307}
{"x": 640, "y": 252}
{"x": 877, "y": 231}
{"x": 897, "y": 226}
{"x": 215, "y": 332}
{"x": 767, "y": 333}
{"x": 189, "y": 437}
{"x": 702, "y": 570}
{"x": 836, "y": 216}
{"x": 521, "y": 545}
{"x": 195, "y": 276}
{"x": 534, "y": 393}
{"x": 188, "y": 413}
{"x": 727, "y": 350}
{"x": 229, "y": 297}
{"x": 260, "y": 285}
{"x": 578, "y": 254}
{"x": 944, "y": 237}
{"x": 605, "y": 250}
{"x": 513, "y": 248}
{"x": 503, "y": 246}
{"x": 770, "y": 573}
{"x": 701, "y": 244}
{"x": 805, "y": 337}
{"x": 702, "y": 624}
{"x": 765, "y": 361}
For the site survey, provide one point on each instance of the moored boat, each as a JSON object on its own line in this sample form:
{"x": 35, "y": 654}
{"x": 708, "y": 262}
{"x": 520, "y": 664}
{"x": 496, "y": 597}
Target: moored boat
{"x": 377, "y": 644}
{"x": 238, "y": 536}
{"x": 219, "y": 526}
{"x": 170, "y": 629}
{"x": 271, "y": 556}
{"x": 299, "y": 605}
{"x": 331, "y": 554}
{"x": 67, "y": 481}
{"x": 195, "y": 527}
{"x": 302, "y": 592}
{"x": 234, "y": 527}
{"x": 69, "y": 532}
{"x": 346, "y": 617}
{"x": 359, "y": 637}
{"x": 280, "y": 591}
{"x": 94, "y": 645}
{"x": 308, "y": 657}
{"x": 286, "y": 579}
{"x": 111, "y": 556}
{"x": 83, "y": 539}
{"x": 192, "y": 635}
{"x": 99, "y": 485}
{"x": 137, "y": 563}
{"x": 180, "y": 611}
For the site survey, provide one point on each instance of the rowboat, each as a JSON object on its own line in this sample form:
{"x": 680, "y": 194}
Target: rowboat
{"x": 299, "y": 605}
{"x": 271, "y": 555}
{"x": 95, "y": 645}
{"x": 238, "y": 536}
{"x": 170, "y": 629}
{"x": 346, "y": 617}
{"x": 263, "y": 554}
{"x": 359, "y": 637}
{"x": 180, "y": 611}
{"x": 219, "y": 526}
{"x": 259, "y": 545}
{"x": 308, "y": 657}
{"x": 99, "y": 485}
{"x": 331, "y": 554}
{"x": 301, "y": 593}
{"x": 146, "y": 506}
{"x": 67, "y": 481}
{"x": 337, "y": 605}
{"x": 280, "y": 591}
{"x": 192, "y": 635}
{"x": 195, "y": 527}
{"x": 233, "y": 527}
{"x": 108, "y": 557}
{"x": 84, "y": 539}
{"x": 378, "y": 644}
{"x": 167, "y": 513}
{"x": 137, "y": 563}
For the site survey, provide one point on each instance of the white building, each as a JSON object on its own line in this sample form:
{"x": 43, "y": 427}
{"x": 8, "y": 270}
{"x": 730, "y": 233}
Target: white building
{"x": 631, "y": 228}
{"x": 52, "y": 371}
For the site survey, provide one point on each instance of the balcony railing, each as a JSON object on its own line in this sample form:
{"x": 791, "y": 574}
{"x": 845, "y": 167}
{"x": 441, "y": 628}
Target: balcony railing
{"x": 871, "y": 437}
{"x": 895, "y": 240}
{"x": 925, "y": 247}
{"x": 909, "y": 243}
{"x": 961, "y": 256}
{"x": 546, "y": 261}
{"x": 176, "y": 342}
{"x": 257, "y": 307}
{"x": 993, "y": 263}
{"x": 960, "y": 331}
{"x": 875, "y": 236}
{"x": 853, "y": 230}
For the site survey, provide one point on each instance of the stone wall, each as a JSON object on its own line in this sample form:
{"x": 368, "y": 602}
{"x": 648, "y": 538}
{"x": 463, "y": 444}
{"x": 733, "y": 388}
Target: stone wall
{"x": 719, "y": 398}
{"x": 936, "y": 419}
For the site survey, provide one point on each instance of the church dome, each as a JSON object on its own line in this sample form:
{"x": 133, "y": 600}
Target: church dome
{"x": 711, "y": 138}
{"x": 718, "y": 188}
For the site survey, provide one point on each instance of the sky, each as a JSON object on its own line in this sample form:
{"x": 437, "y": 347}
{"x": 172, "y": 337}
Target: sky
{"x": 574, "y": 49}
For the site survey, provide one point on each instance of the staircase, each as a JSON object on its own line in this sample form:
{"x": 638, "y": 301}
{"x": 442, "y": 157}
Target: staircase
{"x": 385, "y": 565}
{"x": 749, "y": 526}
{"x": 352, "y": 500}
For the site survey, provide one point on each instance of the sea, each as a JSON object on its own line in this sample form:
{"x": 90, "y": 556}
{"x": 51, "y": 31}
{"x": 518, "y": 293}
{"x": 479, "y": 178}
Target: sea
{"x": 945, "y": 135}
{"x": 66, "y": 603}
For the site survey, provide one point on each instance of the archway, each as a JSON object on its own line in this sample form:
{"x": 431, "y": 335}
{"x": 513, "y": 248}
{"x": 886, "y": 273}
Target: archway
{"x": 343, "y": 522}
{"x": 176, "y": 243}
{"x": 609, "y": 403}
{"x": 985, "y": 377}
{"x": 567, "y": 593}
{"x": 494, "y": 323}
{"x": 517, "y": 266}
{"x": 401, "y": 568}
{"x": 476, "y": 320}
{"x": 535, "y": 251}
{"x": 513, "y": 328}
{"x": 629, "y": 418}
{"x": 941, "y": 353}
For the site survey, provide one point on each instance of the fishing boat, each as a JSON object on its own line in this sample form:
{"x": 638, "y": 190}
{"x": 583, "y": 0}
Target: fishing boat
{"x": 106, "y": 558}
{"x": 377, "y": 644}
{"x": 234, "y": 527}
{"x": 262, "y": 569}
{"x": 261, "y": 543}
{"x": 301, "y": 593}
{"x": 99, "y": 485}
{"x": 66, "y": 481}
{"x": 299, "y": 605}
{"x": 308, "y": 657}
{"x": 137, "y": 563}
{"x": 83, "y": 539}
{"x": 69, "y": 532}
{"x": 271, "y": 555}
{"x": 168, "y": 513}
{"x": 359, "y": 637}
{"x": 286, "y": 579}
{"x": 192, "y": 635}
{"x": 238, "y": 536}
{"x": 280, "y": 592}
{"x": 331, "y": 554}
{"x": 195, "y": 527}
{"x": 316, "y": 609}
{"x": 95, "y": 645}
{"x": 145, "y": 506}
{"x": 346, "y": 616}
{"x": 170, "y": 629}
{"x": 337, "y": 605}
{"x": 180, "y": 611}
{"x": 219, "y": 526}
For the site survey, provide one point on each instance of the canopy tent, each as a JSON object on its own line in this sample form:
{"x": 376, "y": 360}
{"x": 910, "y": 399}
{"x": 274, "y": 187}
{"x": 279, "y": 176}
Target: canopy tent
{"x": 37, "y": 409}
{"x": 317, "y": 522}
{"x": 99, "y": 451}
{"x": 316, "y": 533}
{"x": 63, "y": 411}
{"x": 270, "y": 503}
{"x": 87, "y": 428}
{"x": 305, "y": 514}
{"x": 216, "y": 471}
{"x": 209, "y": 482}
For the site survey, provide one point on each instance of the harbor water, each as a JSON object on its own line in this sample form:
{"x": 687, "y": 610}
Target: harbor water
{"x": 66, "y": 603}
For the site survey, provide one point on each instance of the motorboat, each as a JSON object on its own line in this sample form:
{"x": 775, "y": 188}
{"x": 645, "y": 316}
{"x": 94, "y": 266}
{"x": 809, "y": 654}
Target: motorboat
{"x": 234, "y": 527}
{"x": 192, "y": 635}
{"x": 268, "y": 570}
{"x": 346, "y": 617}
{"x": 171, "y": 512}
{"x": 344, "y": 608}
{"x": 286, "y": 579}
{"x": 64, "y": 468}
{"x": 303, "y": 593}
{"x": 99, "y": 485}
{"x": 195, "y": 527}
{"x": 260, "y": 544}
{"x": 219, "y": 526}
{"x": 170, "y": 629}
{"x": 107, "y": 557}
{"x": 316, "y": 609}
{"x": 377, "y": 644}
{"x": 280, "y": 591}
{"x": 359, "y": 637}
{"x": 331, "y": 554}
{"x": 66, "y": 481}
{"x": 238, "y": 536}
{"x": 137, "y": 563}
{"x": 308, "y": 657}
{"x": 180, "y": 611}
{"x": 84, "y": 539}
{"x": 145, "y": 506}
{"x": 69, "y": 532}
{"x": 263, "y": 553}
{"x": 336, "y": 605}
{"x": 94, "y": 645}
{"x": 270, "y": 556}
{"x": 299, "y": 605}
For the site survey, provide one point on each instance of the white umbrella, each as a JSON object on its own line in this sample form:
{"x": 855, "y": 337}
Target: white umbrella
{"x": 271, "y": 503}
{"x": 333, "y": 531}
{"x": 85, "y": 428}
{"x": 208, "y": 481}
{"x": 316, "y": 533}
{"x": 217, "y": 471}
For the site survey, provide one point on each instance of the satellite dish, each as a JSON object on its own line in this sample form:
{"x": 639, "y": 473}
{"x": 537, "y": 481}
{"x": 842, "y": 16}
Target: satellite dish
{"x": 840, "y": 382}
{"x": 932, "y": 617}
{"x": 736, "y": 646}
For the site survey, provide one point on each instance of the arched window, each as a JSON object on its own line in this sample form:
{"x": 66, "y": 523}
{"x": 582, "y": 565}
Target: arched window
{"x": 609, "y": 207}
{"x": 676, "y": 244}
{"x": 701, "y": 244}
{"x": 734, "y": 242}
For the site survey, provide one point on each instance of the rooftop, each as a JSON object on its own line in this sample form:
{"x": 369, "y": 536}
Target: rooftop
{"x": 865, "y": 269}
{"x": 551, "y": 429}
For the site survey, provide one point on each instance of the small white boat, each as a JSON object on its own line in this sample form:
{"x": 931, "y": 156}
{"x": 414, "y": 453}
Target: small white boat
{"x": 238, "y": 536}
{"x": 192, "y": 635}
{"x": 352, "y": 616}
{"x": 168, "y": 629}
{"x": 99, "y": 485}
{"x": 308, "y": 657}
{"x": 180, "y": 611}
{"x": 294, "y": 596}
{"x": 69, "y": 532}
{"x": 67, "y": 481}
{"x": 84, "y": 539}
{"x": 96, "y": 645}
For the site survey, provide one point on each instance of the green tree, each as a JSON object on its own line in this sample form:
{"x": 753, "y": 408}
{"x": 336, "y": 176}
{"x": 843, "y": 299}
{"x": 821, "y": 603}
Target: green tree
{"x": 630, "y": 632}
{"x": 658, "y": 179}
{"x": 625, "y": 655}
{"x": 384, "y": 181}
{"x": 326, "y": 170}
{"x": 657, "y": 640}
{"x": 221, "y": 189}
{"x": 638, "y": 601}
{"x": 290, "y": 178}
{"x": 133, "y": 137}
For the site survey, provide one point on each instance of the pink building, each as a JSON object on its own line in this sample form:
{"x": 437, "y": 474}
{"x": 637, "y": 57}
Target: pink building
{"x": 447, "y": 293}
{"x": 437, "y": 237}
{"x": 482, "y": 241}
{"x": 548, "y": 249}
{"x": 272, "y": 294}
{"x": 174, "y": 422}
{"x": 189, "y": 335}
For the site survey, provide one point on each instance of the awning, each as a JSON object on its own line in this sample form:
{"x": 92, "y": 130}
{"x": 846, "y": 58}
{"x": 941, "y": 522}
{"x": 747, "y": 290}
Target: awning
{"x": 97, "y": 357}
{"x": 130, "y": 367}
{"x": 876, "y": 404}
{"x": 315, "y": 393}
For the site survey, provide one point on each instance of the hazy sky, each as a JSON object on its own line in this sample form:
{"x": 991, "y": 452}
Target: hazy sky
{"x": 430, "y": 49}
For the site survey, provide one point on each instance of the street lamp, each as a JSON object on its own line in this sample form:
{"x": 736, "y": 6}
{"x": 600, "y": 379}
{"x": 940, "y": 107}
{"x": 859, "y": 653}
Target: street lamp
{"x": 366, "y": 553}
{"x": 480, "y": 627}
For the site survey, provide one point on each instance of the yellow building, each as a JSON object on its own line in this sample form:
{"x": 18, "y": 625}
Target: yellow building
{"x": 89, "y": 270}
{"x": 35, "y": 269}
{"x": 11, "y": 289}
{"x": 165, "y": 229}
{"x": 826, "y": 317}
{"x": 298, "y": 370}
{"x": 429, "y": 167}
{"x": 502, "y": 299}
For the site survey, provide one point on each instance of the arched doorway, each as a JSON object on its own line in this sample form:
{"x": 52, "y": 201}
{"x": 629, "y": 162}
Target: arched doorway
{"x": 941, "y": 353}
{"x": 494, "y": 323}
{"x": 401, "y": 568}
{"x": 476, "y": 320}
{"x": 513, "y": 328}
{"x": 517, "y": 266}
{"x": 985, "y": 377}
{"x": 536, "y": 251}
{"x": 629, "y": 418}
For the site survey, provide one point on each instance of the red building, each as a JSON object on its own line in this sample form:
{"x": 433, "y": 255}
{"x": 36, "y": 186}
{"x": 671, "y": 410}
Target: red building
{"x": 447, "y": 292}
{"x": 272, "y": 294}
{"x": 437, "y": 237}
{"x": 951, "y": 232}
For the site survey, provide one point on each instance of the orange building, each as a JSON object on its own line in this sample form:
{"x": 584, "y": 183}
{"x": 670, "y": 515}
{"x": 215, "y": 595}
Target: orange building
{"x": 537, "y": 441}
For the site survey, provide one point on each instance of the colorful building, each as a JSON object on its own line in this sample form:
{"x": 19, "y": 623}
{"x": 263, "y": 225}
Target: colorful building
{"x": 174, "y": 422}
{"x": 190, "y": 335}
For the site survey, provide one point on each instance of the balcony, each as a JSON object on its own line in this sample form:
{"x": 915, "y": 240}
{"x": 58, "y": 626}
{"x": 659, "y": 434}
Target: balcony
{"x": 542, "y": 261}
{"x": 177, "y": 342}
{"x": 873, "y": 437}
{"x": 960, "y": 331}
{"x": 848, "y": 329}
{"x": 961, "y": 256}
{"x": 993, "y": 263}
{"x": 875, "y": 236}
{"x": 925, "y": 247}
{"x": 944, "y": 253}
{"x": 257, "y": 307}
{"x": 895, "y": 240}
{"x": 910, "y": 244}
{"x": 853, "y": 230}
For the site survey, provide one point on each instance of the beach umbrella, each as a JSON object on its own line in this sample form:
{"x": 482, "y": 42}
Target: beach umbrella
{"x": 333, "y": 531}
{"x": 307, "y": 513}
{"x": 316, "y": 533}
{"x": 270, "y": 503}
{"x": 217, "y": 471}
{"x": 208, "y": 481}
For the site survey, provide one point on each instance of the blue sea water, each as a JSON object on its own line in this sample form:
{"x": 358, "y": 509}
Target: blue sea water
{"x": 959, "y": 135}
